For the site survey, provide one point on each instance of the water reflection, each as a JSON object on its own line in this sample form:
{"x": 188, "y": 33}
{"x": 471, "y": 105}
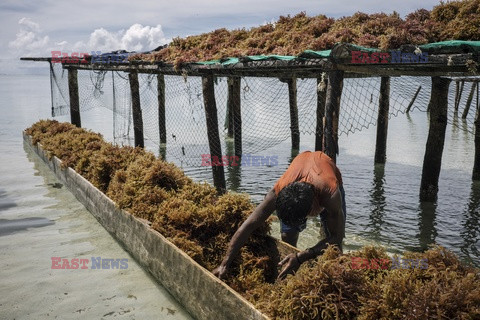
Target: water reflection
{"x": 8, "y": 226}
{"x": 471, "y": 225}
{"x": 377, "y": 201}
{"x": 427, "y": 224}
{"x": 234, "y": 170}
{"x": 5, "y": 203}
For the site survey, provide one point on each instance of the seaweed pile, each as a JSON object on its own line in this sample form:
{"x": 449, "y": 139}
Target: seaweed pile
{"x": 330, "y": 288}
{"x": 201, "y": 222}
{"x": 191, "y": 215}
{"x": 458, "y": 20}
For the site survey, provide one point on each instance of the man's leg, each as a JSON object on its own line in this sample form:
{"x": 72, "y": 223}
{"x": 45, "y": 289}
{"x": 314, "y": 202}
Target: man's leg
{"x": 290, "y": 234}
{"x": 290, "y": 237}
{"x": 344, "y": 204}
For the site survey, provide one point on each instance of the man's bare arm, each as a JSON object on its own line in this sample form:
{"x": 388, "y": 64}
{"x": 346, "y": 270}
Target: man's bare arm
{"x": 255, "y": 220}
{"x": 335, "y": 225}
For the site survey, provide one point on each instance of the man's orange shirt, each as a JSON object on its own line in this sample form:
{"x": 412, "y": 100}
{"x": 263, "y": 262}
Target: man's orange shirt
{"x": 315, "y": 168}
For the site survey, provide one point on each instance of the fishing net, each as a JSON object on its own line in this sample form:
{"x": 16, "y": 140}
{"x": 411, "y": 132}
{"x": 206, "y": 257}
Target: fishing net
{"x": 265, "y": 110}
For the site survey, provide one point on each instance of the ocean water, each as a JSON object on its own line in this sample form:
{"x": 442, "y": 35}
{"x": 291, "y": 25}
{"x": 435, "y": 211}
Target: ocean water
{"x": 383, "y": 206}
{"x": 41, "y": 219}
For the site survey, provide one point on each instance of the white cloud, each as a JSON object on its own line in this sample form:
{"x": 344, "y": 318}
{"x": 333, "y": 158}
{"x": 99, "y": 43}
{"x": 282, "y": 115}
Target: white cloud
{"x": 33, "y": 26}
{"x": 28, "y": 39}
{"x": 136, "y": 38}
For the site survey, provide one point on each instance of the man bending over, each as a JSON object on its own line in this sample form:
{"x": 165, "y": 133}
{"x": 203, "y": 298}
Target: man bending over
{"x": 311, "y": 186}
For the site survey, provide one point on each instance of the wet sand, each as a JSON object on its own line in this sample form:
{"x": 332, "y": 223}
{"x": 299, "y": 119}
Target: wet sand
{"x": 40, "y": 219}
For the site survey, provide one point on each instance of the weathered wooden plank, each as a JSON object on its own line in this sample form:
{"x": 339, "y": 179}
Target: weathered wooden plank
{"x": 322, "y": 83}
{"x": 74, "y": 98}
{"x": 237, "y": 114}
{"x": 208, "y": 87}
{"x": 413, "y": 99}
{"x": 469, "y": 100}
{"x": 432, "y": 160}
{"x": 162, "y": 125}
{"x": 382, "y": 121}
{"x": 458, "y": 97}
{"x": 334, "y": 93}
{"x": 136, "y": 110}
{"x": 292, "y": 100}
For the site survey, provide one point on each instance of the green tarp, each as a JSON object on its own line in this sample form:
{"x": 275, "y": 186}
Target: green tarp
{"x": 451, "y": 47}
{"x": 308, "y": 54}
{"x": 444, "y": 47}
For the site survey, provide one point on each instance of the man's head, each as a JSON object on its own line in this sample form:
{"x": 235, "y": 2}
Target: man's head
{"x": 294, "y": 203}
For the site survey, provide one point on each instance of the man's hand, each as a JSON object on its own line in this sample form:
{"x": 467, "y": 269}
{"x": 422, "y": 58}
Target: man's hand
{"x": 291, "y": 264}
{"x": 255, "y": 220}
{"x": 220, "y": 271}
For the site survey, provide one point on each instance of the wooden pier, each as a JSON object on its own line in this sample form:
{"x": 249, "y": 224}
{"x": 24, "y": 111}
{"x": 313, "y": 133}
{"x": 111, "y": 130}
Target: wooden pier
{"x": 330, "y": 73}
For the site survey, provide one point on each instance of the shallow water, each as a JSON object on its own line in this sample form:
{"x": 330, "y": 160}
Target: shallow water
{"x": 383, "y": 205}
{"x": 382, "y": 201}
{"x": 40, "y": 219}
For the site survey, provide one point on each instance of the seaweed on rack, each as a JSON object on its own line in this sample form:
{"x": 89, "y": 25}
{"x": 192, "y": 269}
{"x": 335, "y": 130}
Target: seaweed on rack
{"x": 291, "y": 35}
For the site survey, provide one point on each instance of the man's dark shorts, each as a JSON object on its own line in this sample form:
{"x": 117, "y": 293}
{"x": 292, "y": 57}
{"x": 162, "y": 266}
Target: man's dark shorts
{"x": 287, "y": 229}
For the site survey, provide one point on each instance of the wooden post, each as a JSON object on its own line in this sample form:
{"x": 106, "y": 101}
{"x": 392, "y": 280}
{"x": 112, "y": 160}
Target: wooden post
{"x": 236, "y": 107}
{"x": 332, "y": 105}
{"x": 382, "y": 122}
{"x": 469, "y": 100}
{"x": 208, "y": 88}
{"x": 162, "y": 152}
{"x": 162, "y": 127}
{"x": 413, "y": 99}
{"x": 478, "y": 103}
{"x": 52, "y": 74}
{"x": 229, "y": 122}
{"x": 114, "y": 106}
{"x": 74, "y": 99}
{"x": 292, "y": 99}
{"x": 458, "y": 97}
{"x": 136, "y": 109}
{"x": 476, "y": 164}
{"x": 432, "y": 161}
{"x": 321, "y": 100}
{"x": 234, "y": 169}
{"x": 457, "y": 91}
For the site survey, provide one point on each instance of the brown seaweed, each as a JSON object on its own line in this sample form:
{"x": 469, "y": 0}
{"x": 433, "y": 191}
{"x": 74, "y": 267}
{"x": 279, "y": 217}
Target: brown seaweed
{"x": 291, "y": 35}
{"x": 201, "y": 223}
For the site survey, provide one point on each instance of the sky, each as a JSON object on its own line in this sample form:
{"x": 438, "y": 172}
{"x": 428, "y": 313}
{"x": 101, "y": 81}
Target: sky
{"x": 36, "y": 27}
